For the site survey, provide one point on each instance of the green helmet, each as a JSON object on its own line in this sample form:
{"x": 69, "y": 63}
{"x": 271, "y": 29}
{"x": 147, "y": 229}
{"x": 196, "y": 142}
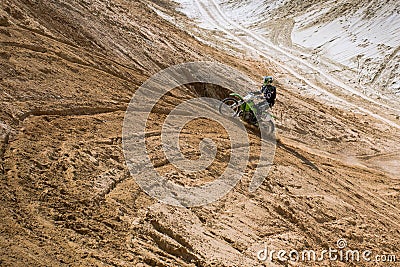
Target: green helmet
{"x": 268, "y": 79}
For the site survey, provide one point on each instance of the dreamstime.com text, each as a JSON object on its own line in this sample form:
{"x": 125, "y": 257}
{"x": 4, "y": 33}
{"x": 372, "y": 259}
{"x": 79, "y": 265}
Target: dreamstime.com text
{"x": 341, "y": 253}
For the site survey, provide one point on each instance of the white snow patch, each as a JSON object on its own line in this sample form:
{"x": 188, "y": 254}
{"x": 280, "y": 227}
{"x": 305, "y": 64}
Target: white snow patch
{"x": 344, "y": 39}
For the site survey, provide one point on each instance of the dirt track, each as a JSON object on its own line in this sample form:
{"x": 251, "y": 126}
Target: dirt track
{"x": 68, "y": 71}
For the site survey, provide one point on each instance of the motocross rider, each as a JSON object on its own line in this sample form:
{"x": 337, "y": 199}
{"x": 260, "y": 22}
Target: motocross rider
{"x": 268, "y": 92}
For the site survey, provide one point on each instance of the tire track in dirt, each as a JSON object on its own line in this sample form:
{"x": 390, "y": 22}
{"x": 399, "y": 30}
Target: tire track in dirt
{"x": 76, "y": 111}
{"x": 140, "y": 67}
{"x": 356, "y": 189}
{"x": 383, "y": 66}
{"x": 282, "y": 31}
{"x": 68, "y": 57}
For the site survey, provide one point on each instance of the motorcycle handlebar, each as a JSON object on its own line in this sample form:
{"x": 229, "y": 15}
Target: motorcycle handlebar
{"x": 253, "y": 95}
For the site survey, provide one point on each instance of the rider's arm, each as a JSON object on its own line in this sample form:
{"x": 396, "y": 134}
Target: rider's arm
{"x": 273, "y": 93}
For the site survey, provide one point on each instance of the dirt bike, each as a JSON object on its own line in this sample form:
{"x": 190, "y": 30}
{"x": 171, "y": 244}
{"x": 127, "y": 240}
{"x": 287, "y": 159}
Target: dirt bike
{"x": 244, "y": 107}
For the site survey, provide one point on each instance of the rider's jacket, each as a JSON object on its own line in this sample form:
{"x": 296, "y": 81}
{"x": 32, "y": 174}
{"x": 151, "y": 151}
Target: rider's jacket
{"x": 269, "y": 93}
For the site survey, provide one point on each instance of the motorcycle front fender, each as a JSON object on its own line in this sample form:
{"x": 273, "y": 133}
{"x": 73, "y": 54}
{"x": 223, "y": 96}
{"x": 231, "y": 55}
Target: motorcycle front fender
{"x": 236, "y": 95}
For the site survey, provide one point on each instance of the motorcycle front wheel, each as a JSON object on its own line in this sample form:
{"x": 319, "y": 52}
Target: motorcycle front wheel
{"x": 229, "y": 107}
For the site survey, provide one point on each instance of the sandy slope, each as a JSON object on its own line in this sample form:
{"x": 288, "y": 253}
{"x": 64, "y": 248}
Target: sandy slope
{"x": 68, "y": 71}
